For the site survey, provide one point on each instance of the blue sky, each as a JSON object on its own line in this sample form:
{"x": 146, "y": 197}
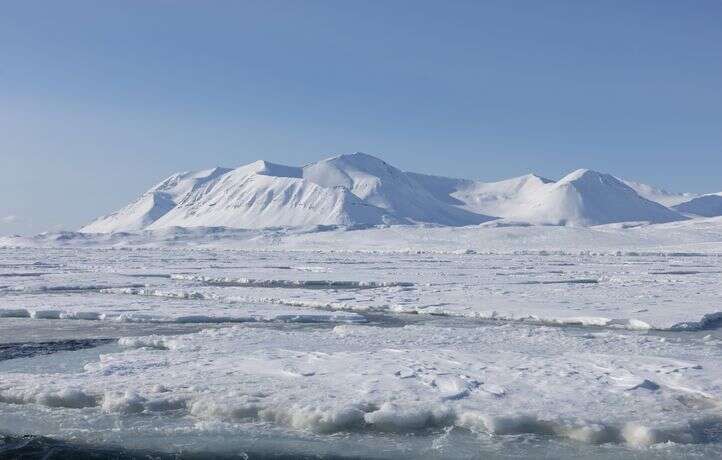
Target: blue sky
{"x": 100, "y": 100}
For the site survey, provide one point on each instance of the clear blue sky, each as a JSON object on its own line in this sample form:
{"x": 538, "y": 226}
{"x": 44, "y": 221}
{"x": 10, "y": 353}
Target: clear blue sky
{"x": 101, "y": 99}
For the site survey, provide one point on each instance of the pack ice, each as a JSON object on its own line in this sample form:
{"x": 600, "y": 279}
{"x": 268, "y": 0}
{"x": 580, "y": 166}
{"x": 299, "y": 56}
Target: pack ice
{"x": 302, "y": 346}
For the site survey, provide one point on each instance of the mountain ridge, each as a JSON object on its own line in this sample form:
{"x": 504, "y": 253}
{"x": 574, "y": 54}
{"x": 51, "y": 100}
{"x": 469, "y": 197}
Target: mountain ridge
{"x": 361, "y": 189}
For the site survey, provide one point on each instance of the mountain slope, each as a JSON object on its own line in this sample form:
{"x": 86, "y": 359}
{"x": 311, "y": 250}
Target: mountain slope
{"x": 264, "y": 195}
{"x": 500, "y": 199}
{"x": 705, "y": 205}
{"x": 382, "y": 185}
{"x": 586, "y": 197}
{"x": 582, "y": 198}
{"x": 658, "y": 195}
{"x": 154, "y": 203}
{"x": 359, "y": 189}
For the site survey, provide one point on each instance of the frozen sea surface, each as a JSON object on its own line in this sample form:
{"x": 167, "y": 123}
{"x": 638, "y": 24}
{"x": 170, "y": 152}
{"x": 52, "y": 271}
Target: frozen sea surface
{"x": 381, "y": 355}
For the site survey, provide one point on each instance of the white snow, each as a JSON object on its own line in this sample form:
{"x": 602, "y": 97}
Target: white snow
{"x": 319, "y": 343}
{"x": 355, "y": 189}
{"x": 699, "y": 235}
{"x": 659, "y": 195}
{"x": 347, "y": 303}
{"x": 502, "y": 199}
{"x": 362, "y": 190}
{"x": 587, "y": 197}
{"x": 155, "y": 203}
{"x": 621, "y": 289}
{"x": 497, "y": 380}
{"x": 382, "y": 185}
{"x": 705, "y": 206}
{"x": 581, "y": 198}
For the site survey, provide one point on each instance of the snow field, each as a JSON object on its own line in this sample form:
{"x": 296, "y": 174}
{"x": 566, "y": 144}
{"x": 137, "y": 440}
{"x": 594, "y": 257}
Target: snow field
{"x": 499, "y": 380}
{"x": 669, "y": 292}
{"x": 329, "y": 344}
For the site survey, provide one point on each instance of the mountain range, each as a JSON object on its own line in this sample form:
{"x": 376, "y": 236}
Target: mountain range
{"x": 362, "y": 190}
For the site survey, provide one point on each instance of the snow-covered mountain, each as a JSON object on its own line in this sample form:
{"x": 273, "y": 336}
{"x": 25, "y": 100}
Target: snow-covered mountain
{"x": 258, "y": 195}
{"x": 659, "y": 195}
{"x": 704, "y": 205}
{"x": 582, "y": 198}
{"x": 155, "y": 203}
{"x": 263, "y": 195}
{"x": 690, "y": 204}
{"x": 502, "y": 199}
{"x": 587, "y": 197}
{"x": 359, "y": 189}
{"x": 378, "y": 183}
{"x": 349, "y": 190}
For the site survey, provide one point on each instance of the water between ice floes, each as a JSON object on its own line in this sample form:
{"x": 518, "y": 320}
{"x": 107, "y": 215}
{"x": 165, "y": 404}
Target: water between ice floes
{"x": 60, "y": 346}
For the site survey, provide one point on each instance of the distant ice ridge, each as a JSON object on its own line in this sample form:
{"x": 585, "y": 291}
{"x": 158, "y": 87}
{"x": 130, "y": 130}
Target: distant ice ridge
{"x": 362, "y": 190}
{"x": 688, "y": 237}
{"x": 326, "y": 284}
{"x": 288, "y": 315}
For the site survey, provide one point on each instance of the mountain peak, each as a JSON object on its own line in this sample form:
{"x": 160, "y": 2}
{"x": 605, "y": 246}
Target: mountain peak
{"x": 706, "y": 205}
{"x": 590, "y": 179}
{"x": 658, "y": 194}
{"x": 359, "y": 160}
{"x": 583, "y": 174}
{"x": 536, "y": 178}
{"x": 382, "y": 185}
{"x": 266, "y": 168}
{"x": 360, "y": 155}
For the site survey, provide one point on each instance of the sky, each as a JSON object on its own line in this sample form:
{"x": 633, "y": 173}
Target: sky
{"x": 101, "y": 100}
